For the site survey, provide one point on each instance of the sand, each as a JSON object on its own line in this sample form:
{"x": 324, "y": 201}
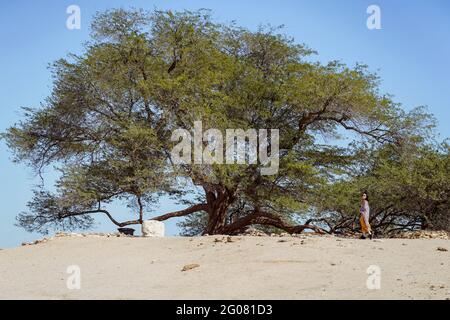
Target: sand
{"x": 246, "y": 268}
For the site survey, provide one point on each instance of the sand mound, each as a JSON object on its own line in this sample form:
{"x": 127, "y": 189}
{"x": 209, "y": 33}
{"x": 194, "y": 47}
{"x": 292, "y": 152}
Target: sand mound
{"x": 111, "y": 266}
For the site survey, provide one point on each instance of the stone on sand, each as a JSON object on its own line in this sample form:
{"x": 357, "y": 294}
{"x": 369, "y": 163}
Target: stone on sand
{"x": 152, "y": 228}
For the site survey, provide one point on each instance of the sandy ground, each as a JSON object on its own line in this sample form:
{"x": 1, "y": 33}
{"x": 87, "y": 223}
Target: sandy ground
{"x": 246, "y": 268}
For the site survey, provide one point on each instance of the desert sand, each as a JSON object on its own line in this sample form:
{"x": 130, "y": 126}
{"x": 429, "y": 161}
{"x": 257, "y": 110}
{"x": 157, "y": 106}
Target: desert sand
{"x": 309, "y": 267}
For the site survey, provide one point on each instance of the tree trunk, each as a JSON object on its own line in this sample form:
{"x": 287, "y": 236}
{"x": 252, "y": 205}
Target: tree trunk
{"x": 141, "y": 210}
{"x": 425, "y": 223}
{"x": 218, "y": 202}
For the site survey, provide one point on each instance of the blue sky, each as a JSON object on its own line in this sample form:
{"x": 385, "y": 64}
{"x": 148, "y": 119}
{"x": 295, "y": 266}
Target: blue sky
{"x": 411, "y": 54}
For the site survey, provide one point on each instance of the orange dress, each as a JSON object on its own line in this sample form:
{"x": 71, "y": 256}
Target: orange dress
{"x": 364, "y": 217}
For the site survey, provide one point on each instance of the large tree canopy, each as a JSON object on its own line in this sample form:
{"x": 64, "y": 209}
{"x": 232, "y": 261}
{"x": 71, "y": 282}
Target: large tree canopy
{"x": 108, "y": 122}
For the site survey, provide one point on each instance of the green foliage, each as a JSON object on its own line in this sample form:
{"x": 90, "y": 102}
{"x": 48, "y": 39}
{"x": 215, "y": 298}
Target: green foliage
{"x": 42, "y": 218}
{"x": 108, "y": 121}
{"x": 408, "y": 189}
{"x": 193, "y": 225}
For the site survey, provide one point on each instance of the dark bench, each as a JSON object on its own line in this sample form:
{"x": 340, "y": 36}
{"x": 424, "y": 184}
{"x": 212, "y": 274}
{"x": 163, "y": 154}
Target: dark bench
{"x": 126, "y": 231}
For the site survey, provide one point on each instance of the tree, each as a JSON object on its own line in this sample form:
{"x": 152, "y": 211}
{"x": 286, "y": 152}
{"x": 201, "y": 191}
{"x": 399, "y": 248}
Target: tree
{"x": 408, "y": 190}
{"x": 108, "y": 122}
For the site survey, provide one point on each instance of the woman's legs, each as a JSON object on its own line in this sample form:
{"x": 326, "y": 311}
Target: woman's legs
{"x": 365, "y": 225}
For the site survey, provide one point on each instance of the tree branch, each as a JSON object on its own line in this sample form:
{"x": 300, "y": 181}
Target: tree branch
{"x": 119, "y": 224}
{"x": 181, "y": 213}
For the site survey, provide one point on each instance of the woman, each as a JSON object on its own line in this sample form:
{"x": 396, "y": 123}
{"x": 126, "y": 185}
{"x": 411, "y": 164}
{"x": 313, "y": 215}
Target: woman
{"x": 364, "y": 217}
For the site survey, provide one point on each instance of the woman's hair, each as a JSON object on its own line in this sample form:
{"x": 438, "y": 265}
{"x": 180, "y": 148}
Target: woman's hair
{"x": 367, "y": 196}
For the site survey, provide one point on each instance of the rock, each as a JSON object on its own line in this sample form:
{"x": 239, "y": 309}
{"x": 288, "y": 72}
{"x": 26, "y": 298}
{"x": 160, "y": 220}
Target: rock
{"x": 250, "y": 230}
{"x": 44, "y": 240}
{"x": 253, "y": 233}
{"x": 73, "y": 234}
{"x": 152, "y": 228}
{"x": 229, "y": 239}
{"x": 441, "y": 249}
{"x": 190, "y": 266}
{"x": 259, "y": 234}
